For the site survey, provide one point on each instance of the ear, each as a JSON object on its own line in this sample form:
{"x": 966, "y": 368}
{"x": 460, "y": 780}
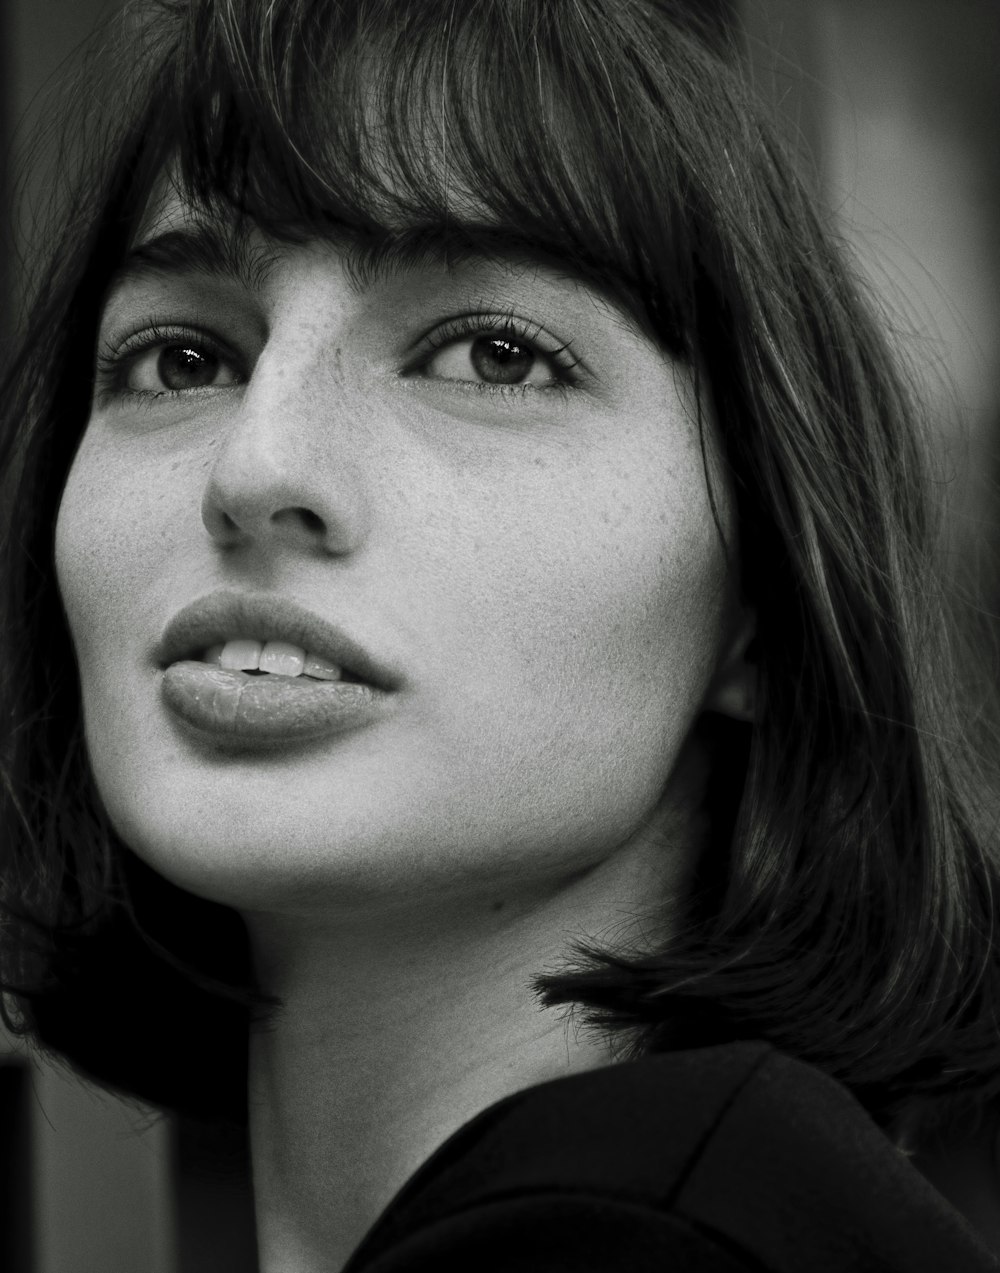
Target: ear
{"x": 733, "y": 690}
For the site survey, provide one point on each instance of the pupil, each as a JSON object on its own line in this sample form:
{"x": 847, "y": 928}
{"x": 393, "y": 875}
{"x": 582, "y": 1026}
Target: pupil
{"x": 501, "y": 360}
{"x": 181, "y": 367}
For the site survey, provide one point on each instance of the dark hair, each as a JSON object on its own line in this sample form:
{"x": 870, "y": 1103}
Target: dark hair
{"x": 845, "y": 909}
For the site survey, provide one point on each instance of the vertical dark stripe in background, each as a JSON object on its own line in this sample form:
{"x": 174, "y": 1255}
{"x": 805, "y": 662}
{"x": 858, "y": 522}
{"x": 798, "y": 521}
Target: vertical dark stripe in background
{"x": 213, "y": 1199}
{"x": 15, "y": 1168}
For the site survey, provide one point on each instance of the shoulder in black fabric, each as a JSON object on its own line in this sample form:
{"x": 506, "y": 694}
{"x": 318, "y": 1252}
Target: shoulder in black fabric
{"x": 799, "y": 1174}
{"x": 626, "y": 1132}
{"x": 728, "y": 1159}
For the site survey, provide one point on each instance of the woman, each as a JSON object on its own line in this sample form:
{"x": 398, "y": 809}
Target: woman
{"x": 490, "y": 536}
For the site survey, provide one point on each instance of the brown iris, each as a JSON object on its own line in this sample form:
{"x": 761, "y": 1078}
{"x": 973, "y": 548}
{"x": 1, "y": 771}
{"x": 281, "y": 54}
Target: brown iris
{"x": 501, "y": 360}
{"x": 186, "y": 367}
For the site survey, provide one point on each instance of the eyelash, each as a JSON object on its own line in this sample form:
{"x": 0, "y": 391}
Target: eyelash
{"x": 114, "y": 362}
{"x": 503, "y": 326}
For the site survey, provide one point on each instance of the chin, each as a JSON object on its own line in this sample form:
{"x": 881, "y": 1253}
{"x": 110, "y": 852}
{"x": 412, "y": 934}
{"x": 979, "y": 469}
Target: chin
{"x": 348, "y": 841}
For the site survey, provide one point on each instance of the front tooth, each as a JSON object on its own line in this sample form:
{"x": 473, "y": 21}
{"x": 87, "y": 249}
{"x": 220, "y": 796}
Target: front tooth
{"x": 322, "y": 669}
{"x": 283, "y": 658}
{"x": 240, "y": 656}
{"x": 214, "y": 654}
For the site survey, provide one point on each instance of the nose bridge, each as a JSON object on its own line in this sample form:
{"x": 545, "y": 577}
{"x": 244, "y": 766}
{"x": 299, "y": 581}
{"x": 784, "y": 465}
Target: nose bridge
{"x": 286, "y": 467}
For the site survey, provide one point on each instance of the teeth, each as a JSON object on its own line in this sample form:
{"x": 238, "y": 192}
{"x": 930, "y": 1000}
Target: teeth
{"x": 321, "y": 669}
{"x": 277, "y": 657}
{"x": 240, "y": 656}
{"x": 280, "y": 657}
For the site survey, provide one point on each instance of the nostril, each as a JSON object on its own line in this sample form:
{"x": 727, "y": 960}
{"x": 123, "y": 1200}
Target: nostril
{"x": 305, "y": 518}
{"x": 312, "y": 521}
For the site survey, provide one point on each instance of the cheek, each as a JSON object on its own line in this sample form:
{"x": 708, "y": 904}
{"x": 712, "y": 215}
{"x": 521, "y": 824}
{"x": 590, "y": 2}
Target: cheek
{"x": 120, "y": 520}
{"x": 589, "y": 602}
{"x": 96, "y": 556}
{"x": 586, "y": 634}
{"x": 92, "y": 531}
{"x": 614, "y": 563}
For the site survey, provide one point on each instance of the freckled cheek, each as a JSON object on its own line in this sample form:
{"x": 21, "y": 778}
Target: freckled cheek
{"x": 630, "y": 617}
{"x": 117, "y": 525}
{"x": 593, "y": 589}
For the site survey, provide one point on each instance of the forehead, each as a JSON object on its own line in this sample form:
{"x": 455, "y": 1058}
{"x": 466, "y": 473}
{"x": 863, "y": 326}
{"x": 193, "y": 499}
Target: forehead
{"x": 177, "y": 235}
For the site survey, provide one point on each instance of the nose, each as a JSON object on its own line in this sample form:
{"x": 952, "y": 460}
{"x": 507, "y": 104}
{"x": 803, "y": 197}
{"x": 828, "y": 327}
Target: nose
{"x": 284, "y": 475}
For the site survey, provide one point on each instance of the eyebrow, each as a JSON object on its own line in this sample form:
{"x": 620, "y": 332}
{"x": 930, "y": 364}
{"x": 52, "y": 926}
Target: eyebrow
{"x": 201, "y": 247}
{"x": 198, "y": 248}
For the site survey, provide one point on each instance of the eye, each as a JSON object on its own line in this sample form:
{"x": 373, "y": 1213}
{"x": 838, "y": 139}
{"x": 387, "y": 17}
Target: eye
{"x": 154, "y": 363}
{"x": 495, "y": 360}
{"x": 178, "y": 367}
{"x": 475, "y": 350}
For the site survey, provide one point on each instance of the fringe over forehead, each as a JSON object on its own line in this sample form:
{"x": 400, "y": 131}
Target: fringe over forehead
{"x": 575, "y": 126}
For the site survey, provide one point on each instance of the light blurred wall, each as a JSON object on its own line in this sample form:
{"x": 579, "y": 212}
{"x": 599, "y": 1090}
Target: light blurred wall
{"x": 896, "y": 106}
{"x": 92, "y": 1176}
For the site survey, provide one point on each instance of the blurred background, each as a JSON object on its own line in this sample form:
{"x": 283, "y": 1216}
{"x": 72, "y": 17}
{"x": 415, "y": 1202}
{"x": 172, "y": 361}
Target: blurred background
{"x": 892, "y": 107}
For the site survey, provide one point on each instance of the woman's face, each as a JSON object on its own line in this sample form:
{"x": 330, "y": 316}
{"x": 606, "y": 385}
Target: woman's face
{"x": 474, "y": 487}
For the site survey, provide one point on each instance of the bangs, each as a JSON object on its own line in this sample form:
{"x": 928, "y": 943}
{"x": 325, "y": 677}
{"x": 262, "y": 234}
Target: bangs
{"x": 381, "y": 121}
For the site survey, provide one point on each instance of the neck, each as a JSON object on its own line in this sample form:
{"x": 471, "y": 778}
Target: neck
{"x": 398, "y": 1027}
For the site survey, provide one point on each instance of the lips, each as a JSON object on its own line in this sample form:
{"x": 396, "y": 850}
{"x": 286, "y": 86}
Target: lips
{"x": 226, "y": 616}
{"x": 247, "y": 707}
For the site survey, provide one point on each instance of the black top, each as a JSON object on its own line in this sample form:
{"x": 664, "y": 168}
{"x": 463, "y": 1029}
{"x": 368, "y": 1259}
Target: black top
{"x": 720, "y": 1160}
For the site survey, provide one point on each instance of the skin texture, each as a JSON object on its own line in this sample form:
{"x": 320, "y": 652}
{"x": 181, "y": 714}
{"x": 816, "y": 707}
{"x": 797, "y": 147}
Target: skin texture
{"x": 542, "y": 567}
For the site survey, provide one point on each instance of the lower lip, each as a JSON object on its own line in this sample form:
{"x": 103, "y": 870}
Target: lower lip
{"x": 268, "y": 709}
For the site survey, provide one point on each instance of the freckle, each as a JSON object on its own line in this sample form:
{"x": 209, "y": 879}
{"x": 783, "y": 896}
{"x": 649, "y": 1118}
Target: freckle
{"x": 497, "y": 906}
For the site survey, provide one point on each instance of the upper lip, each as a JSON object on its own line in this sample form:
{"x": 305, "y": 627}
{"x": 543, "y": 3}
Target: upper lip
{"x": 225, "y": 615}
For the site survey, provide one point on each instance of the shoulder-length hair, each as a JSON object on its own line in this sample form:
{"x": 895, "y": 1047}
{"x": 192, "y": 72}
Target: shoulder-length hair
{"x": 845, "y": 909}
